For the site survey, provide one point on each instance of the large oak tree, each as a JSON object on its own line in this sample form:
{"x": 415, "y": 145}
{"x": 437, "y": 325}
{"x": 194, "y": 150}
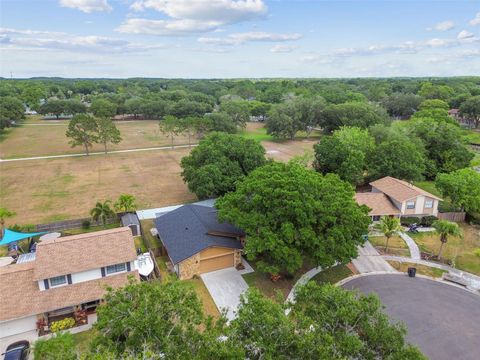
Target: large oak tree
{"x": 290, "y": 212}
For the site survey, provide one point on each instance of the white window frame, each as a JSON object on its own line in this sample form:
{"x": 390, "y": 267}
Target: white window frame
{"x": 115, "y": 269}
{"x": 412, "y": 206}
{"x": 57, "y": 277}
{"x": 428, "y": 203}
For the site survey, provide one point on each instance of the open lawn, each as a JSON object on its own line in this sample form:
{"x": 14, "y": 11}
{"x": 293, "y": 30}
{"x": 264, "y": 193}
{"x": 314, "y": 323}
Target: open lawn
{"x": 460, "y": 250}
{"x": 396, "y": 245}
{"x": 84, "y": 339}
{"x": 472, "y": 136}
{"x": 42, "y": 191}
{"x": 279, "y": 289}
{"x": 421, "y": 269}
{"x": 48, "y": 138}
{"x": 333, "y": 274}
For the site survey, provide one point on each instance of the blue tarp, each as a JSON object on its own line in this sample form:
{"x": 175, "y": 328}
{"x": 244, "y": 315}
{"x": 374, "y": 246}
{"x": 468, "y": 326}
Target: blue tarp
{"x": 10, "y": 236}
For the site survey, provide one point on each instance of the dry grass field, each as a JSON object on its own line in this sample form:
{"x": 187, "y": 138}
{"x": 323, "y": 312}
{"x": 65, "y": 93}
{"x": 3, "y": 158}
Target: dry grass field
{"x": 41, "y": 191}
{"x": 47, "y": 137}
{"x": 47, "y": 190}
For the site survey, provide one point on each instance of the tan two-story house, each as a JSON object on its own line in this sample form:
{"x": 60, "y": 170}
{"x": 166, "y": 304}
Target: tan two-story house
{"x": 393, "y": 197}
{"x": 66, "y": 277}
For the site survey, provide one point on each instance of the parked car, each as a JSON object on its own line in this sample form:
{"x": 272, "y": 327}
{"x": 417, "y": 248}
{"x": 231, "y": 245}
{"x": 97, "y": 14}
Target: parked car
{"x": 17, "y": 351}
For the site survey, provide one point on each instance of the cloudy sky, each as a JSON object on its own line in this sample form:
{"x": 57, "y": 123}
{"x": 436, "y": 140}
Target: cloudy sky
{"x": 239, "y": 38}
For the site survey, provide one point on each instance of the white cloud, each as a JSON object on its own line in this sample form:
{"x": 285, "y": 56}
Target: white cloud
{"x": 443, "y": 26}
{"x": 283, "y": 48}
{"x": 438, "y": 42}
{"x": 241, "y": 38}
{"x": 464, "y": 34}
{"x": 32, "y": 39}
{"x": 190, "y": 16}
{"x": 87, "y": 6}
{"x": 476, "y": 20}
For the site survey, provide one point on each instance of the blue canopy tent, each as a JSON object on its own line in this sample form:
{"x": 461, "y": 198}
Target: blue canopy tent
{"x": 10, "y": 236}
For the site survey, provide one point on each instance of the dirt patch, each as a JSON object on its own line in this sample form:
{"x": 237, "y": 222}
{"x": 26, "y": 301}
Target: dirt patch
{"x": 284, "y": 151}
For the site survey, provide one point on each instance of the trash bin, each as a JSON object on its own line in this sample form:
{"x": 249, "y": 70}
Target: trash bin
{"x": 412, "y": 271}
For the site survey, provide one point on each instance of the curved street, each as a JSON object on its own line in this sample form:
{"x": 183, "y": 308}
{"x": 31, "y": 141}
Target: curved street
{"x": 441, "y": 319}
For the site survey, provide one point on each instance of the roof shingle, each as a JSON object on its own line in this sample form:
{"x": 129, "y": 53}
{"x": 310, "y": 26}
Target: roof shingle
{"x": 70, "y": 254}
{"x": 400, "y": 190}
{"x": 378, "y": 203}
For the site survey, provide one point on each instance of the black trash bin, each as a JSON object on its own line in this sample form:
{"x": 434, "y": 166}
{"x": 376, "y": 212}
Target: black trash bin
{"x": 412, "y": 271}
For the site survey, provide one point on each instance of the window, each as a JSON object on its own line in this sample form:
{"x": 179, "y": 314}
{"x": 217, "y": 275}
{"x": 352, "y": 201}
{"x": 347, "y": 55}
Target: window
{"x": 410, "y": 204}
{"x": 116, "y": 268}
{"x": 428, "y": 203}
{"x": 58, "y": 281}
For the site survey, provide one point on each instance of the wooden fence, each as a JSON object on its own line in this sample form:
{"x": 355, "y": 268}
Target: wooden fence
{"x": 452, "y": 216}
{"x": 71, "y": 224}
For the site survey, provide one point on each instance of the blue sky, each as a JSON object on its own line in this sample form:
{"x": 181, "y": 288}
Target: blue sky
{"x": 239, "y": 38}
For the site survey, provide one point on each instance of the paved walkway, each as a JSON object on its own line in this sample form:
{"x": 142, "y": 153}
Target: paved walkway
{"x": 302, "y": 281}
{"x": 472, "y": 280}
{"x": 99, "y": 153}
{"x": 412, "y": 246}
{"x": 369, "y": 260}
{"x": 226, "y": 286}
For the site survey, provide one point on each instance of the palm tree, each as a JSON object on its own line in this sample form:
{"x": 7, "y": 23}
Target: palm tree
{"x": 445, "y": 229}
{"x": 126, "y": 203}
{"x": 389, "y": 226}
{"x": 102, "y": 211}
{"x": 4, "y": 214}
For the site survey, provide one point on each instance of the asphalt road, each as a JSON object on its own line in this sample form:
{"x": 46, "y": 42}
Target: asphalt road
{"x": 443, "y": 320}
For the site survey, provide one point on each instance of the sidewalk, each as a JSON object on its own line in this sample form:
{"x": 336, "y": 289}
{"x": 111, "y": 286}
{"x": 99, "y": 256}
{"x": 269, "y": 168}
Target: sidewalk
{"x": 369, "y": 260}
{"x": 412, "y": 246}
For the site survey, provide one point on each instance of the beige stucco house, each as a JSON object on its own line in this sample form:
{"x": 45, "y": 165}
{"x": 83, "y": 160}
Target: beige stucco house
{"x": 393, "y": 197}
{"x": 196, "y": 242}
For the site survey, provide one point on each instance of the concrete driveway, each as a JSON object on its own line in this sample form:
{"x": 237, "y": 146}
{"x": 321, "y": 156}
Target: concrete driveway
{"x": 443, "y": 320}
{"x": 225, "y": 286}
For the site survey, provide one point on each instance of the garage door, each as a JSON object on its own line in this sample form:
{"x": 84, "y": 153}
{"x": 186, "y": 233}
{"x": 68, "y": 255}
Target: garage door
{"x": 216, "y": 263}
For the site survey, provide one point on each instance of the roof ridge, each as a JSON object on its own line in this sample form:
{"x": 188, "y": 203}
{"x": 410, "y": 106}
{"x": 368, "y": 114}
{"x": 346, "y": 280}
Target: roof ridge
{"x": 83, "y": 235}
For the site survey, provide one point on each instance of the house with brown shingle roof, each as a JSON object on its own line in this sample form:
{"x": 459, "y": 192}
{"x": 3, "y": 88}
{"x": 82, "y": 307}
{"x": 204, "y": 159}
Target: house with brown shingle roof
{"x": 393, "y": 197}
{"x": 66, "y": 278}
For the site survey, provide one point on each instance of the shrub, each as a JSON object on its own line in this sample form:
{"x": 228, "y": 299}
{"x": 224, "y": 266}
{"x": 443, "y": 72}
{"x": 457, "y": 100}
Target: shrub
{"x": 428, "y": 220}
{"x": 86, "y": 224}
{"x": 409, "y": 220}
{"x": 477, "y": 252}
{"x": 60, "y": 325}
{"x": 59, "y": 347}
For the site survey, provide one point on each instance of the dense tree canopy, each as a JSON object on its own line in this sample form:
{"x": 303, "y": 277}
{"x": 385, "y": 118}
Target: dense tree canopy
{"x": 11, "y": 109}
{"x": 462, "y": 187}
{"x": 401, "y": 105}
{"x": 345, "y": 153}
{"x": 356, "y": 114}
{"x": 443, "y": 144}
{"x": 470, "y": 109}
{"x": 218, "y": 162}
{"x": 289, "y": 212}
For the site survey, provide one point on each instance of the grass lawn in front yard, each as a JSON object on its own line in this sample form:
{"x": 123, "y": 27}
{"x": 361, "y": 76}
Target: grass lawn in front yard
{"x": 280, "y": 287}
{"x": 333, "y": 275}
{"x": 421, "y": 269}
{"x": 459, "y": 250}
{"x": 83, "y": 340}
{"x": 209, "y": 306}
{"x": 396, "y": 245}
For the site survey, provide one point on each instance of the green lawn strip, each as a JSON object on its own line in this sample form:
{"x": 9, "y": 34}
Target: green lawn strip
{"x": 421, "y": 269}
{"x": 476, "y": 160}
{"x": 150, "y": 241}
{"x": 472, "y": 136}
{"x": 83, "y": 340}
{"x": 209, "y": 306}
{"x": 333, "y": 275}
{"x": 396, "y": 245}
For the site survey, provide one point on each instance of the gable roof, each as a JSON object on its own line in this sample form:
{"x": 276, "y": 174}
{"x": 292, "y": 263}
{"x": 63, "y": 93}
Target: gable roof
{"x": 379, "y": 203}
{"x": 189, "y": 230}
{"x": 400, "y": 190}
{"x": 70, "y": 254}
{"x": 22, "y": 297}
